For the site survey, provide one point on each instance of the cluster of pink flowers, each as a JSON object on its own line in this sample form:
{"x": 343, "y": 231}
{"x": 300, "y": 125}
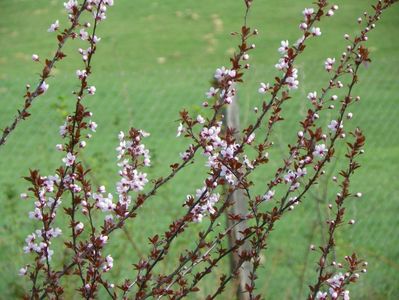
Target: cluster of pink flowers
{"x": 229, "y": 166}
{"x": 46, "y": 190}
{"x": 131, "y": 155}
{"x": 206, "y": 203}
{"x": 336, "y": 290}
{"x": 45, "y": 211}
{"x": 223, "y": 75}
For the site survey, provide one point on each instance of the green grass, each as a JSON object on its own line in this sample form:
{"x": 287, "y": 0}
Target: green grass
{"x": 134, "y": 89}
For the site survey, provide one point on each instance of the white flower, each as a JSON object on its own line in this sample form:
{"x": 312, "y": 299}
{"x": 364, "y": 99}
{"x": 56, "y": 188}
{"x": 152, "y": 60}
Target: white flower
{"x": 83, "y": 34}
{"x": 292, "y": 83}
{"x": 180, "y": 130}
{"x": 264, "y": 87}
{"x": 315, "y": 31}
{"x": 54, "y": 27}
{"x": 36, "y": 214}
{"x": 79, "y": 227}
{"x": 93, "y": 126}
{"x": 303, "y": 26}
{"x": 346, "y": 295}
{"x": 43, "y": 87}
{"x": 328, "y": 64}
{"x": 23, "y": 271}
{"x": 321, "y": 295}
{"x": 294, "y": 186}
{"x": 312, "y": 96}
{"x": 334, "y": 125}
{"x": 103, "y": 239}
{"x": 247, "y": 162}
{"x": 96, "y": 39}
{"x": 300, "y": 41}
{"x": 222, "y": 72}
{"x": 231, "y": 73}
{"x": 109, "y": 263}
{"x": 284, "y": 47}
{"x": 320, "y": 150}
{"x": 251, "y": 138}
{"x": 282, "y": 64}
{"x": 70, "y": 5}
{"x": 63, "y": 132}
{"x": 81, "y": 74}
{"x": 105, "y": 204}
{"x": 228, "y": 95}
{"x": 92, "y": 90}
{"x": 144, "y": 133}
{"x": 308, "y": 12}
{"x": 301, "y": 172}
{"x": 69, "y": 159}
{"x": 211, "y": 93}
{"x": 200, "y": 119}
{"x": 54, "y": 232}
{"x": 290, "y": 176}
{"x": 269, "y": 195}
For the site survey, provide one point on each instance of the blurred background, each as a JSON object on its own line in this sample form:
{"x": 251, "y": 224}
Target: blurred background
{"x": 158, "y": 57}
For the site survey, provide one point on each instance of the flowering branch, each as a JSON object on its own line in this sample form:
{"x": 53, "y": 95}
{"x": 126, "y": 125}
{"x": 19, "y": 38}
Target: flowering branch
{"x": 353, "y": 150}
{"x": 74, "y": 15}
{"x": 228, "y": 166}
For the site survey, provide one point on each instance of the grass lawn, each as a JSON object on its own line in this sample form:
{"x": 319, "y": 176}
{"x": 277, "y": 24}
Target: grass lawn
{"x": 157, "y": 57}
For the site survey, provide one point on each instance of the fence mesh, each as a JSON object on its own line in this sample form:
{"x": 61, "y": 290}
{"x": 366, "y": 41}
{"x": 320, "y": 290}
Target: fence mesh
{"x": 136, "y": 100}
{"x": 185, "y": 38}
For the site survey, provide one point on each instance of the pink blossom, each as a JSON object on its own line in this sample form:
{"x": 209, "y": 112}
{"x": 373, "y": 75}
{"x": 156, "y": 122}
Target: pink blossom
{"x": 328, "y": 64}
{"x": 81, "y": 74}
{"x": 308, "y": 12}
{"x": 91, "y": 90}
{"x": 284, "y": 47}
{"x": 180, "y": 130}
{"x": 303, "y": 26}
{"x": 315, "y": 31}
{"x": 200, "y": 119}
{"x": 320, "y": 150}
{"x": 69, "y": 159}
{"x": 93, "y": 126}
{"x": 292, "y": 83}
{"x": 312, "y": 96}
{"x": 23, "y": 271}
{"x": 211, "y": 93}
{"x": 269, "y": 195}
{"x": 43, "y": 87}
{"x": 264, "y": 87}
{"x": 63, "y": 130}
{"x": 83, "y": 34}
{"x": 54, "y": 27}
{"x": 70, "y": 5}
{"x": 109, "y": 263}
{"x": 334, "y": 125}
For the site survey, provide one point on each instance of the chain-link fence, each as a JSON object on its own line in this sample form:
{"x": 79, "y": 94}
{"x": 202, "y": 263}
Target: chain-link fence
{"x": 152, "y": 104}
{"x": 133, "y": 90}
